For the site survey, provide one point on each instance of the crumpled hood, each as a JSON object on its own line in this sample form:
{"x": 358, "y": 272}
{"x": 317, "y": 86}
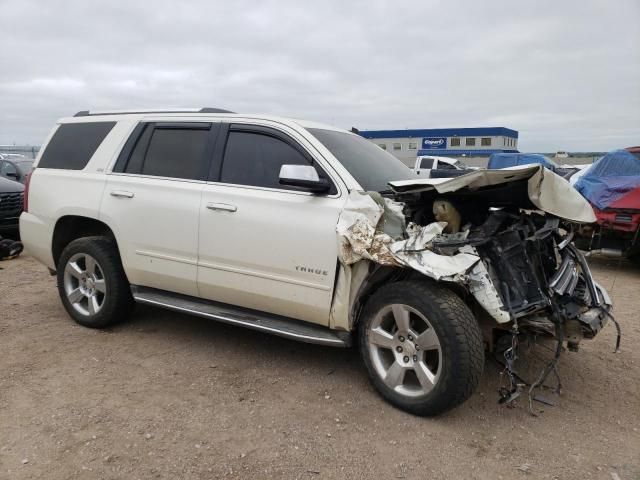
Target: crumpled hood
{"x": 546, "y": 190}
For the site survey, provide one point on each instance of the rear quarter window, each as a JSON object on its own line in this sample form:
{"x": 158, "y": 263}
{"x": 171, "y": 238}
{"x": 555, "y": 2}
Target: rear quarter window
{"x": 73, "y": 145}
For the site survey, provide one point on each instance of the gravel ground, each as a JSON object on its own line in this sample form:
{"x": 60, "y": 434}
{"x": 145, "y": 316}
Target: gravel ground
{"x": 171, "y": 396}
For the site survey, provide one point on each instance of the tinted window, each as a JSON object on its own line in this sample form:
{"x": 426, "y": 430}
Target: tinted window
{"x": 170, "y": 152}
{"x": 369, "y": 165}
{"x": 445, "y": 166}
{"x": 73, "y": 145}
{"x": 134, "y": 165}
{"x": 255, "y": 159}
{"x": 426, "y": 163}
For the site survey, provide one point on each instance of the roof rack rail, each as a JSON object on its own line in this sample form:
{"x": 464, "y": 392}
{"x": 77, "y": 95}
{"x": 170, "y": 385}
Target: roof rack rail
{"x": 89, "y": 113}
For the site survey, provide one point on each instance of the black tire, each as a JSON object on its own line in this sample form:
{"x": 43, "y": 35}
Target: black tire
{"x": 117, "y": 300}
{"x": 460, "y": 343}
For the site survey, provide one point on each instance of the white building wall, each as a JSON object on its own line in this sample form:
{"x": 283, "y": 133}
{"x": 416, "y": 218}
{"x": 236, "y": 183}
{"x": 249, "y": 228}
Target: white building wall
{"x": 407, "y": 154}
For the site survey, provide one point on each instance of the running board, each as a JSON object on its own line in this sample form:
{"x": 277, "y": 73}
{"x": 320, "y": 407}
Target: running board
{"x": 244, "y": 317}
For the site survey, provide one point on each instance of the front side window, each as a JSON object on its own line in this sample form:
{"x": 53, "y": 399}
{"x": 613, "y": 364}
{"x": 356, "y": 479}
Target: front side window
{"x": 445, "y": 166}
{"x": 173, "y": 152}
{"x": 255, "y": 159}
{"x": 470, "y": 142}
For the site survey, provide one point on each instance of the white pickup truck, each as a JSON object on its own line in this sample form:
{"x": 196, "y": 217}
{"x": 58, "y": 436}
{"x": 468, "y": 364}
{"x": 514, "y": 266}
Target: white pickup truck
{"x": 430, "y": 166}
{"x": 313, "y": 233}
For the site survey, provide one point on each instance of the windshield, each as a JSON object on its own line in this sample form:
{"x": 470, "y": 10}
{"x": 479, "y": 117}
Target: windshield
{"x": 553, "y": 162}
{"x": 461, "y": 165}
{"x": 368, "y": 164}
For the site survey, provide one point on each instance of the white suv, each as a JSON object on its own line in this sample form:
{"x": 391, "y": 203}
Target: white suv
{"x": 291, "y": 228}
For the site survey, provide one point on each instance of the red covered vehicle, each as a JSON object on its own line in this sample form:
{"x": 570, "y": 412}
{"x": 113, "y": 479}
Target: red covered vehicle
{"x": 612, "y": 186}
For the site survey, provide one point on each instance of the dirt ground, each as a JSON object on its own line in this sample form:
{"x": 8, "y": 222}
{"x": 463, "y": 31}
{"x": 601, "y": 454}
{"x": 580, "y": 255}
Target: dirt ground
{"x": 172, "y": 396}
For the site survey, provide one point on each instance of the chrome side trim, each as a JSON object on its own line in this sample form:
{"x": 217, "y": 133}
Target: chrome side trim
{"x": 268, "y": 276}
{"x": 161, "y": 256}
{"x": 273, "y": 325}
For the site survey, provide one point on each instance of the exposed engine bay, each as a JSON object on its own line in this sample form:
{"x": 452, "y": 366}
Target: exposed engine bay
{"x": 540, "y": 276}
{"x": 503, "y": 237}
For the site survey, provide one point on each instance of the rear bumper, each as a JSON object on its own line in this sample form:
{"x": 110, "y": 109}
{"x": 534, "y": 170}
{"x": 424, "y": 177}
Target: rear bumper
{"x": 35, "y": 235}
{"x": 623, "y": 221}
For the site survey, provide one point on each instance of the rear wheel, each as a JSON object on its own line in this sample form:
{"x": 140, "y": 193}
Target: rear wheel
{"x": 92, "y": 284}
{"x": 421, "y": 346}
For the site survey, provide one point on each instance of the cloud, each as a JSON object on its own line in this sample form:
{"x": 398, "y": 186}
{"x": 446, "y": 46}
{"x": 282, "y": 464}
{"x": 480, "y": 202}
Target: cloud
{"x": 565, "y": 74}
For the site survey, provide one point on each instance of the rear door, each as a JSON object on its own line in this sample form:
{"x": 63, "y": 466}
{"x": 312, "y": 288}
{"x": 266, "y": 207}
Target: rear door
{"x": 152, "y": 198}
{"x": 263, "y": 245}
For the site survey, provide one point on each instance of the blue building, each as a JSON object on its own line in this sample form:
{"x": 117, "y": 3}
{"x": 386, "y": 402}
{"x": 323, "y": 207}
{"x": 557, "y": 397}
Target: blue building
{"x": 455, "y": 142}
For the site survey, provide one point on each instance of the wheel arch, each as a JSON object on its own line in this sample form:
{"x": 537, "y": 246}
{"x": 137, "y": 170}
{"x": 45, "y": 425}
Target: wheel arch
{"x": 71, "y": 227}
{"x": 378, "y": 276}
{"x": 383, "y": 275}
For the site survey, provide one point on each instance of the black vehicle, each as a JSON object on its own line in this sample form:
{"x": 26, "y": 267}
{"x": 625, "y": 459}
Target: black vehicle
{"x": 11, "y": 198}
{"x": 15, "y": 169}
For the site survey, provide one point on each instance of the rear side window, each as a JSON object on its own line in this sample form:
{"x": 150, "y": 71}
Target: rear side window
{"x": 73, "y": 145}
{"x": 174, "y": 151}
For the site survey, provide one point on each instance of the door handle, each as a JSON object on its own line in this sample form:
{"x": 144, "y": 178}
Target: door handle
{"x": 122, "y": 194}
{"x": 222, "y": 206}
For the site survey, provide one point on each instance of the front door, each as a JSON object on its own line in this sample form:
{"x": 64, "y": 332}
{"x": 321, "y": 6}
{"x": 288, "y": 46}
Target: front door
{"x": 263, "y": 245}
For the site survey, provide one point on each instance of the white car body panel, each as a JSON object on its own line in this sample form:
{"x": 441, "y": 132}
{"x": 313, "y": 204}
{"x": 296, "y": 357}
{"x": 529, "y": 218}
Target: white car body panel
{"x": 156, "y": 229}
{"x": 168, "y": 239}
{"x": 249, "y": 250}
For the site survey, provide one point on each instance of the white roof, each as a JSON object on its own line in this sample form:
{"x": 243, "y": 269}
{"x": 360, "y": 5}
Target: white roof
{"x": 134, "y": 114}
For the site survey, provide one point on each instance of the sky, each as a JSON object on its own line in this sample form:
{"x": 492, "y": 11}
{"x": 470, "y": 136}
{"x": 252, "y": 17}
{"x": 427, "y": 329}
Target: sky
{"x": 565, "y": 74}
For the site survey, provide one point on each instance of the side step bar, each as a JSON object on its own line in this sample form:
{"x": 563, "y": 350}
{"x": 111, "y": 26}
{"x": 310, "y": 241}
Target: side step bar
{"x": 244, "y": 317}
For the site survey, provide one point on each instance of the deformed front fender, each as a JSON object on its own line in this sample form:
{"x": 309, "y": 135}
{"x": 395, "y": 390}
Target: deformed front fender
{"x": 367, "y": 231}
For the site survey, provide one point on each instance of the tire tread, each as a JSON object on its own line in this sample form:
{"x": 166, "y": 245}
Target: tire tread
{"x": 464, "y": 339}
{"x": 119, "y": 302}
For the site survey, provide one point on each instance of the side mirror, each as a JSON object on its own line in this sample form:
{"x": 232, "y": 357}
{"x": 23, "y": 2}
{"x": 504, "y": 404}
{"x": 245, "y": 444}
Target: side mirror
{"x": 304, "y": 177}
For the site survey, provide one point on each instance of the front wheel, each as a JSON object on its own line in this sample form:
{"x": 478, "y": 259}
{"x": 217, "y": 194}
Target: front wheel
{"x": 421, "y": 346}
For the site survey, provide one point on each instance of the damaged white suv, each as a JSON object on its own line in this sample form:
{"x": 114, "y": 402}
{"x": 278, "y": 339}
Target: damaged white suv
{"x": 312, "y": 233}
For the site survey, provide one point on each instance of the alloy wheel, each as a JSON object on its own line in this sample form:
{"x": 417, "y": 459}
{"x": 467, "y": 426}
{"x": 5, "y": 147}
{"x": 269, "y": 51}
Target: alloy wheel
{"x": 84, "y": 284}
{"x": 405, "y": 350}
